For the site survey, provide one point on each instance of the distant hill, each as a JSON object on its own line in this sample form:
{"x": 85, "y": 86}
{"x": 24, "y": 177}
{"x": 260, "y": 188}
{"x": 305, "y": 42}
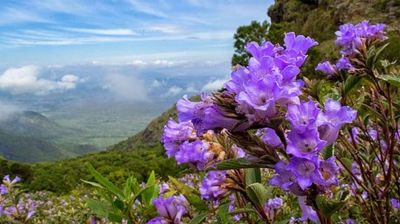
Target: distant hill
{"x": 32, "y": 137}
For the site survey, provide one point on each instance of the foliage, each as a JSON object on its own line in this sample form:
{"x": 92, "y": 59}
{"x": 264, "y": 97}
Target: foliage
{"x": 64, "y": 176}
{"x": 131, "y": 202}
{"x": 256, "y": 31}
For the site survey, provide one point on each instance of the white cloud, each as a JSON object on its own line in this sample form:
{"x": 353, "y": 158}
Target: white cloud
{"x": 7, "y": 109}
{"x": 111, "y": 32}
{"x": 126, "y": 87}
{"x": 165, "y": 28}
{"x": 138, "y": 62}
{"x": 173, "y": 91}
{"x": 147, "y": 9}
{"x": 214, "y": 85}
{"x": 26, "y": 80}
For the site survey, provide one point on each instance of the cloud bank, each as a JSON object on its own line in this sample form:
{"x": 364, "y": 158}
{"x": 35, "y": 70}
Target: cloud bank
{"x": 26, "y": 80}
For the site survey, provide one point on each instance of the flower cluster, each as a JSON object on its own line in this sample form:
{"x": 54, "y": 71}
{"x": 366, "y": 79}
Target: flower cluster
{"x": 12, "y": 205}
{"x": 180, "y": 141}
{"x": 212, "y": 187}
{"x": 170, "y": 209}
{"x": 311, "y": 131}
{"x": 353, "y": 39}
{"x": 269, "y": 81}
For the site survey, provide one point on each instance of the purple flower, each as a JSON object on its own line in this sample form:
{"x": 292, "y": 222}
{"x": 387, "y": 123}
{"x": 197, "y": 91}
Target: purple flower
{"x": 158, "y": 220}
{"x": 268, "y": 84}
{"x": 195, "y": 153}
{"x": 274, "y": 203}
{"x": 270, "y": 137}
{"x": 331, "y": 121}
{"x": 232, "y": 207}
{"x": 271, "y": 207}
{"x": 258, "y": 100}
{"x": 284, "y": 178}
{"x": 175, "y": 134}
{"x": 395, "y": 203}
{"x": 327, "y": 68}
{"x": 211, "y": 188}
{"x": 164, "y": 187}
{"x": 239, "y": 153}
{"x": 343, "y": 64}
{"x": 308, "y": 213}
{"x": 329, "y": 170}
{"x": 7, "y": 180}
{"x": 305, "y": 171}
{"x": 306, "y": 144}
{"x": 172, "y": 208}
{"x": 3, "y": 189}
{"x": 303, "y": 115}
{"x": 352, "y": 37}
{"x": 349, "y": 221}
{"x": 204, "y": 115}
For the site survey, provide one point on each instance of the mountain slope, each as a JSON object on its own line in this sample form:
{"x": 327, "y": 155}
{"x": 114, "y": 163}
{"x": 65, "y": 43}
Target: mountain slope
{"x": 32, "y": 137}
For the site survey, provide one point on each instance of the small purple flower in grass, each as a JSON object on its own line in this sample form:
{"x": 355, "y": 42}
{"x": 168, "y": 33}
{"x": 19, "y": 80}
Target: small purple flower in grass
{"x": 305, "y": 171}
{"x": 308, "y": 213}
{"x": 306, "y": 144}
{"x": 349, "y": 221}
{"x": 327, "y": 68}
{"x": 3, "y": 189}
{"x": 7, "y": 179}
{"x": 274, "y": 203}
{"x": 271, "y": 207}
{"x": 211, "y": 188}
{"x": 158, "y": 220}
{"x": 164, "y": 187}
{"x": 331, "y": 121}
{"x": 172, "y": 208}
{"x": 232, "y": 208}
{"x": 395, "y": 203}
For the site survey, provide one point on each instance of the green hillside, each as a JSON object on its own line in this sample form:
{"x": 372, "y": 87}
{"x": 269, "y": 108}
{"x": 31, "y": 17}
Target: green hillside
{"x": 32, "y": 137}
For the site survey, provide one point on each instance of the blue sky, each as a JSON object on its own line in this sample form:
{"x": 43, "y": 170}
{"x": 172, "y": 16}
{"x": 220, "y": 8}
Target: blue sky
{"x": 61, "y": 32}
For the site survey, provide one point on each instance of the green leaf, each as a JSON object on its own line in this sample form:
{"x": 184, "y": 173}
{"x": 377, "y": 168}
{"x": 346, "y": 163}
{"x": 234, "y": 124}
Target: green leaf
{"x": 115, "y": 217}
{"x": 379, "y": 52}
{"x": 242, "y": 210}
{"x": 391, "y": 79}
{"x": 93, "y": 184}
{"x": 98, "y": 207}
{"x": 223, "y": 214}
{"x": 152, "y": 190}
{"x": 118, "y": 204}
{"x": 257, "y": 193}
{"x": 328, "y": 207}
{"x": 253, "y": 175}
{"x": 328, "y": 152}
{"x": 199, "y": 218}
{"x": 240, "y": 163}
{"x": 350, "y": 83}
{"x": 105, "y": 182}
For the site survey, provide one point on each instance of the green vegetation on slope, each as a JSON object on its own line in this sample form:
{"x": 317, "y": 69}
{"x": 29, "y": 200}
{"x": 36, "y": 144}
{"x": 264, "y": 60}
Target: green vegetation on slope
{"x": 32, "y": 137}
{"x": 117, "y": 165}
